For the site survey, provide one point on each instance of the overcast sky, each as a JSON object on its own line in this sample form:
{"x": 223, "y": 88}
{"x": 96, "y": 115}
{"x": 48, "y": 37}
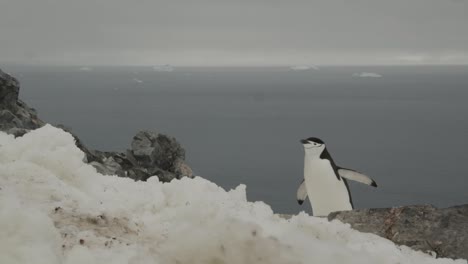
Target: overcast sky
{"x": 234, "y": 32}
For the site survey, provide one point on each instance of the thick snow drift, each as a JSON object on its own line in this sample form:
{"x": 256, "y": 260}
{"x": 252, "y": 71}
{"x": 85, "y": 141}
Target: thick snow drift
{"x": 56, "y": 209}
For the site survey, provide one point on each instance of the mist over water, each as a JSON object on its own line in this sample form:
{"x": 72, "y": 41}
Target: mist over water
{"x": 406, "y": 129}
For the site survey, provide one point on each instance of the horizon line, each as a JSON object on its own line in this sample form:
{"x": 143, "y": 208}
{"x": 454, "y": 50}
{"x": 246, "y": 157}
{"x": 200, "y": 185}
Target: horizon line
{"x": 233, "y": 65}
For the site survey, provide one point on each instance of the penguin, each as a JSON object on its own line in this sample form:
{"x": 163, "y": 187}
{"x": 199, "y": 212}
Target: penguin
{"x": 324, "y": 182}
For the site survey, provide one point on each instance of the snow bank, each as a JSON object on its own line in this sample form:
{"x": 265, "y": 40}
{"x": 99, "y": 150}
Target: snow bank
{"x": 367, "y": 75}
{"x": 56, "y": 209}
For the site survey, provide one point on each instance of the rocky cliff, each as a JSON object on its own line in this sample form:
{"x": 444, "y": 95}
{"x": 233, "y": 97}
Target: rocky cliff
{"x": 151, "y": 153}
{"x": 15, "y": 116}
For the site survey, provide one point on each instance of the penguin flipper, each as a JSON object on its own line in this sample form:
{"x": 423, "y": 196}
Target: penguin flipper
{"x": 356, "y": 176}
{"x": 301, "y": 193}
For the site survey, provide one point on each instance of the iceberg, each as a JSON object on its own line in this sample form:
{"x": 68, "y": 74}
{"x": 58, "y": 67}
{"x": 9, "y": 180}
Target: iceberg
{"x": 54, "y": 208}
{"x": 304, "y": 67}
{"x": 86, "y": 69}
{"x": 163, "y": 68}
{"x": 137, "y": 80}
{"x": 367, "y": 75}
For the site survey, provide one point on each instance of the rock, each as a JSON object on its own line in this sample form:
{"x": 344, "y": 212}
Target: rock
{"x": 151, "y": 153}
{"x": 9, "y": 90}
{"x": 151, "y": 149}
{"x": 104, "y": 169}
{"x": 182, "y": 168}
{"x": 421, "y": 227}
{"x": 15, "y": 116}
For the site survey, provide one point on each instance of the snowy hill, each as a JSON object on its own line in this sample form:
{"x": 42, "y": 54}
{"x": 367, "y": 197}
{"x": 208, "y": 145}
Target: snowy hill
{"x": 54, "y": 208}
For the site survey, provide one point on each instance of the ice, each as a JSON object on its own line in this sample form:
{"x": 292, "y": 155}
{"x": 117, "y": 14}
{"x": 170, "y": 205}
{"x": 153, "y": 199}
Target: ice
{"x": 137, "y": 80}
{"x": 304, "y": 67}
{"x": 86, "y": 69}
{"x": 54, "y": 208}
{"x": 367, "y": 75}
{"x": 163, "y": 68}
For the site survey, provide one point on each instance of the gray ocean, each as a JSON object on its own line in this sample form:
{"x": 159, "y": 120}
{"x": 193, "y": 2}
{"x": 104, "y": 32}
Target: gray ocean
{"x": 407, "y": 129}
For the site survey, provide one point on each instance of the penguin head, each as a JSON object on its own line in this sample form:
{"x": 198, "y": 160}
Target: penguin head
{"x": 313, "y": 146}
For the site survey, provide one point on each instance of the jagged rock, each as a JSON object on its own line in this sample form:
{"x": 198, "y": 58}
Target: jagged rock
{"x": 151, "y": 153}
{"x": 421, "y": 227}
{"x": 182, "y": 168}
{"x": 152, "y": 149}
{"x": 15, "y": 116}
{"x": 9, "y": 90}
{"x": 104, "y": 169}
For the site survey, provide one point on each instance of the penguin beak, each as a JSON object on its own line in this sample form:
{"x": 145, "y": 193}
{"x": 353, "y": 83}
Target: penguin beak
{"x": 304, "y": 141}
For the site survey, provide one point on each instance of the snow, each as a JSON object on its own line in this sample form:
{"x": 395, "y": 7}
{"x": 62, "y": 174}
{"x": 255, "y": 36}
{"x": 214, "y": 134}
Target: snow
{"x": 367, "y": 75}
{"x": 54, "y": 208}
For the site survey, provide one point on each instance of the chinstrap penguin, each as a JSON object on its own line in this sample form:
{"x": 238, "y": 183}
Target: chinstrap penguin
{"x": 324, "y": 182}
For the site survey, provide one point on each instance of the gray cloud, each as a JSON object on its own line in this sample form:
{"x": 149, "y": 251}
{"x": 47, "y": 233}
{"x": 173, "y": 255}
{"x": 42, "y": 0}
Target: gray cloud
{"x": 225, "y": 32}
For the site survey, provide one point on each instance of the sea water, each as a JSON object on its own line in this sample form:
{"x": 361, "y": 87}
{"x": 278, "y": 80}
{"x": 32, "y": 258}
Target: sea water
{"x": 407, "y": 129}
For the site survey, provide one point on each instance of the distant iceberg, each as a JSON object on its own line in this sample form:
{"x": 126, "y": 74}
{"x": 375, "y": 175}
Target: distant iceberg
{"x": 303, "y": 67}
{"x": 86, "y": 69}
{"x": 163, "y": 68}
{"x": 137, "y": 80}
{"x": 367, "y": 75}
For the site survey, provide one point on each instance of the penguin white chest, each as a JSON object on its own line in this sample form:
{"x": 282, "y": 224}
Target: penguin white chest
{"x": 325, "y": 191}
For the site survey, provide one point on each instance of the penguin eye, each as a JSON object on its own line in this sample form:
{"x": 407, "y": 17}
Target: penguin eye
{"x": 315, "y": 144}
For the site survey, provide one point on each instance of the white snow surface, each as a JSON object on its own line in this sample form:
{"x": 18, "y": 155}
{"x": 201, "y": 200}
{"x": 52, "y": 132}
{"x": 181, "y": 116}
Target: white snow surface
{"x": 54, "y": 208}
{"x": 367, "y": 75}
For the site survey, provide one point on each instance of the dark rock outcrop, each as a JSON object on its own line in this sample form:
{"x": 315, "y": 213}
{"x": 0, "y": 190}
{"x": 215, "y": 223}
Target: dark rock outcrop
{"x": 15, "y": 116}
{"x": 421, "y": 227}
{"x": 151, "y": 153}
